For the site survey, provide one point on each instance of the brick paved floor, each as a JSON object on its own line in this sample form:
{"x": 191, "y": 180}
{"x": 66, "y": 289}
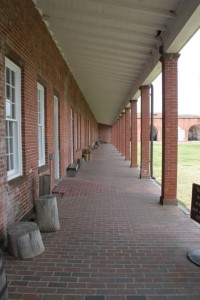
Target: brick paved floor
{"x": 116, "y": 242}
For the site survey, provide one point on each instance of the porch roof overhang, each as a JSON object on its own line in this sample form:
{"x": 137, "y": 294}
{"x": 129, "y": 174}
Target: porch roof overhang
{"x": 112, "y": 47}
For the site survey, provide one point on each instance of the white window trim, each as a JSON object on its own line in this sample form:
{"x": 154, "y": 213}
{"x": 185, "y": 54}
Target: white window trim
{"x": 41, "y": 160}
{"x": 18, "y": 141}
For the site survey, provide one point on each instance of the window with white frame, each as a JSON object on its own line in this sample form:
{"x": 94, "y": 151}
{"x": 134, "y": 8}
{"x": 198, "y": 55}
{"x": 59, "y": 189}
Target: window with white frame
{"x": 41, "y": 130}
{"x": 13, "y": 119}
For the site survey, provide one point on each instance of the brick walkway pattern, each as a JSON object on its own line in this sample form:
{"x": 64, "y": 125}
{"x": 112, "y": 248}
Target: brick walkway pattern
{"x": 116, "y": 241}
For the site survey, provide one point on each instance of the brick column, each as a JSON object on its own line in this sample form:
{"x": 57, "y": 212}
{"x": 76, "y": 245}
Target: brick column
{"x": 145, "y": 131}
{"x": 127, "y": 133}
{"x": 120, "y": 133}
{"x": 169, "y": 128}
{"x": 116, "y": 134}
{"x": 123, "y": 134}
{"x": 112, "y": 135}
{"x": 133, "y": 133}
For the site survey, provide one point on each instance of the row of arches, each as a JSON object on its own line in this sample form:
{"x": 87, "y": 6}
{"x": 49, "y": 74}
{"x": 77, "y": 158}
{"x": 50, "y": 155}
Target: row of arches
{"x": 193, "y": 133}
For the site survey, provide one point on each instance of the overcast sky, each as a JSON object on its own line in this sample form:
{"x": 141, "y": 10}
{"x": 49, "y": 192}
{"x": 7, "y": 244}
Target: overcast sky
{"x": 188, "y": 80}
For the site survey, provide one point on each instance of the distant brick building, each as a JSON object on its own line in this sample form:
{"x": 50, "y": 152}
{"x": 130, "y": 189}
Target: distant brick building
{"x": 188, "y": 127}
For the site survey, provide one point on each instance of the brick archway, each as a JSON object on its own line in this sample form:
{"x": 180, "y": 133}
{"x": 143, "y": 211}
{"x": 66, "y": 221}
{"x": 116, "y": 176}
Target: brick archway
{"x": 194, "y": 133}
{"x": 155, "y": 133}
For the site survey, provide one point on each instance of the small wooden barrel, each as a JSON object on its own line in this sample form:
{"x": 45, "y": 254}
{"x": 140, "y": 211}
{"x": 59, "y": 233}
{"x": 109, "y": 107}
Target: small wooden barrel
{"x": 47, "y": 213}
{"x": 24, "y": 240}
{"x": 90, "y": 156}
{"x": 86, "y": 156}
{"x": 3, "y": 280}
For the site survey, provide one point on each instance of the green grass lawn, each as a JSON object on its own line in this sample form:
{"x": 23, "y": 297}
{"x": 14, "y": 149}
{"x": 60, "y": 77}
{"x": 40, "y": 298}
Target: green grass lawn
{"x": 188, "y": 168}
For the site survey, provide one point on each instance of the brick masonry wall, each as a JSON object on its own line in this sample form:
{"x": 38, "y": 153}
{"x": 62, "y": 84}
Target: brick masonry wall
{"x": 25, "y": 40}
{"x": 104, "y": 133}
{"x": 145, "y": 123}
{"x": 183, "y": 123}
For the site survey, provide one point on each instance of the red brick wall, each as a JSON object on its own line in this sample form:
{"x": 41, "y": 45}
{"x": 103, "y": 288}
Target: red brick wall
{"x": 26, "y": 41}
{"x": 104, "y": 133}
{"x": 184, "y": 123}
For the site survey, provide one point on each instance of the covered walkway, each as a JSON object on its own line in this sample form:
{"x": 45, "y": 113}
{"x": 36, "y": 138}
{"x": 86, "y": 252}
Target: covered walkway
{"x": 116, "y": 241}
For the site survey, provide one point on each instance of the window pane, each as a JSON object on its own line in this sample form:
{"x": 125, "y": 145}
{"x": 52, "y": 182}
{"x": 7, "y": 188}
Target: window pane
{"x": 13, "y": 78}
{"x": 13, "y": 95}
{"x": 40, "y": 143}
{"x": 10, "y": 129}
{"x": 11, "y": 161}
{"x": 7, "y": 128}
{"x": 8, "y": 108}
{"x": 7, "y": 75}
{"x": 7, "y": 146}
{"x": 11, "y": 145}
{"x": 8, "y": 163}
{"x": 13, "y": 111}
{"x": 8, "y": 92}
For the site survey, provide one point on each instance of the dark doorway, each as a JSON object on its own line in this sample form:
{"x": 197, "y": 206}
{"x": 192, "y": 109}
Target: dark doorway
{"x": 194, "y": 133}
{"x": 155, "y": 133}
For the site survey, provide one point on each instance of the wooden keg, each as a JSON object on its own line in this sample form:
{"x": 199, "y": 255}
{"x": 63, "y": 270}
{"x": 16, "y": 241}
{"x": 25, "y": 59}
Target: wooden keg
{"x": 47, "y": 213}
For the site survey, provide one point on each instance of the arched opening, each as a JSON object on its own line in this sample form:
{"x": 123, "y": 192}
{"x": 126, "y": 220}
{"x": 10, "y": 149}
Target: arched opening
{"x": 155, "y": 133}
{"x": 194, "y": 133}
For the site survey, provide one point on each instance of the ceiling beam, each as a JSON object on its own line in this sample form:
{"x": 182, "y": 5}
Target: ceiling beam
{"x": 108, "y": 58}
{"x": 114, "y": 77}
{"x": 95, "y": 62}
{"x": 69, "y": 31}
{"x": 99, "y": 48}
{"x": 93, "y": 26}
{"x": 106, "y": 54}
{"x": 84, "y": 40}
{"x": 60, "y": 14}
{"x": 107, "y": 74}
{"x": 152, "y": 10}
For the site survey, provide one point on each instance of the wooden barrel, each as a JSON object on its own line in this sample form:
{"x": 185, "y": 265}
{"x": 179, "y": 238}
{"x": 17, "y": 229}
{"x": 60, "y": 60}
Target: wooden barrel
{"x": 47, "y": 213}
{"x": 24, "y": 240}
{"x": 3, "y": 280}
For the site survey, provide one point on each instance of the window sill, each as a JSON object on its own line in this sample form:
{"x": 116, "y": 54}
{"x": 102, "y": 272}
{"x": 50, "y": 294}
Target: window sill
{"x": 14, "y": 183}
